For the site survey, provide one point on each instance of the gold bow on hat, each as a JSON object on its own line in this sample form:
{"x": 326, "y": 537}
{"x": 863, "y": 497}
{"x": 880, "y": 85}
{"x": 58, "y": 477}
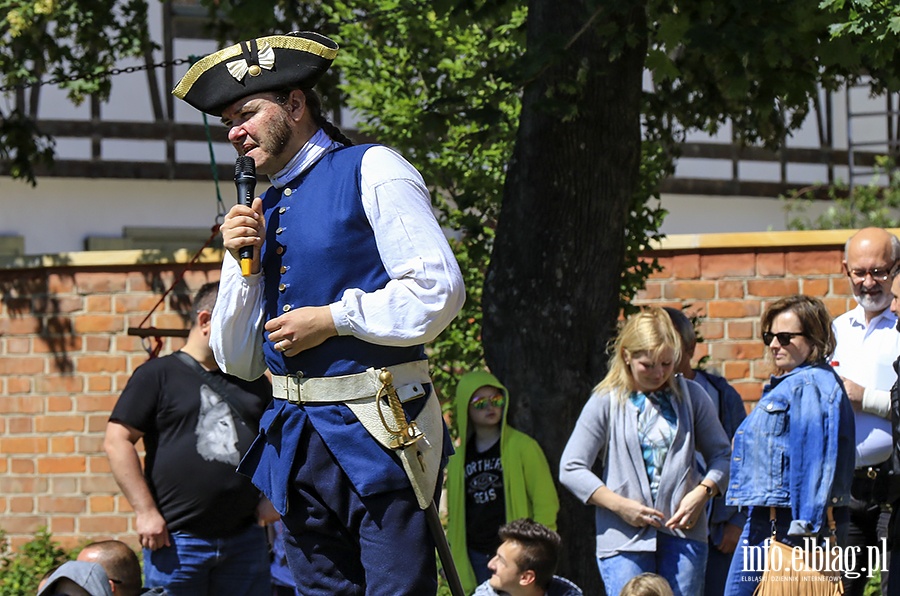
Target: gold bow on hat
{"x": 265, "y": 56}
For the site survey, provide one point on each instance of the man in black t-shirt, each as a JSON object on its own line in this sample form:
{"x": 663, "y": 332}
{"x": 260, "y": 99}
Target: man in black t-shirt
{"x": 196, "y": 517}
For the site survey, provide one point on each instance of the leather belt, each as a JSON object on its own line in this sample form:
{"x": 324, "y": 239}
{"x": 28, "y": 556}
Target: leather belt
{"x": 409, "y": 380}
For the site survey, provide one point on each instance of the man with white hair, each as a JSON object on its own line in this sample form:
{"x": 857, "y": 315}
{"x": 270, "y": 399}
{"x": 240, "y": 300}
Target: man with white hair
{"x": 867, "y": 345}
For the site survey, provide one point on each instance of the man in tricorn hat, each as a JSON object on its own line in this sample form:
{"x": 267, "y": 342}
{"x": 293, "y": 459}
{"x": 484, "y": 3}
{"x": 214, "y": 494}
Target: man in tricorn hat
{"x": 350, "y": 276}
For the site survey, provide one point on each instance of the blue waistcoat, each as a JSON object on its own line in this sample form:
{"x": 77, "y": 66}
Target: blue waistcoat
{"x": 318, "y": 244}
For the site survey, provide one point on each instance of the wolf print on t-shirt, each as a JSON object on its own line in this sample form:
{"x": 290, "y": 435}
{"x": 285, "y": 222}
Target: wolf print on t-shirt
{"x": 216, "y": 434}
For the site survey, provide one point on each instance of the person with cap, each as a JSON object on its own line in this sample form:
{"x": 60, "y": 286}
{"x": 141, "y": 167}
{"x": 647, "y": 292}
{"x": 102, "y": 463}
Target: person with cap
{"x": 350, "y": 276}
{"x": 77, "y": 578}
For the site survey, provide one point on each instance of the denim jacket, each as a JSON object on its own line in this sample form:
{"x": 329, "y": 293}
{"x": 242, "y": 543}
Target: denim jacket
{"x": 796, "y": 448}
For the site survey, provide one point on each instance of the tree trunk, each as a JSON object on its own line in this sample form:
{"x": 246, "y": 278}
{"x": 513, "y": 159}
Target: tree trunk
{"x": 551, "y": 297}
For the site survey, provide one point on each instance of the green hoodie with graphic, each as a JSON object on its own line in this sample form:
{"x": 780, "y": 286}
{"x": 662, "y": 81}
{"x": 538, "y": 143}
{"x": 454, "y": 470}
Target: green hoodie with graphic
{"x": 528, "y": 485}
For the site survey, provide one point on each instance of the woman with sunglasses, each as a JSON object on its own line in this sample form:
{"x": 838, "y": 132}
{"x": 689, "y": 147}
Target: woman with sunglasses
{"x": 497, "y": 475}
{"x": 633, "y": 456}
{"x": 794, "y": 454}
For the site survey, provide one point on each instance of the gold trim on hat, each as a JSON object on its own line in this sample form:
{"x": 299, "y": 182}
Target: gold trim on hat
{"x": 288, "y": 42}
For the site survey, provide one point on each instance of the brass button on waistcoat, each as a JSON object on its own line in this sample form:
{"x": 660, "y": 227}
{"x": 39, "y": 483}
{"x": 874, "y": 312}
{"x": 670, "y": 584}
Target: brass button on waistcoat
{"x": 286, "y": 308}
{"x": 287, "y": 192}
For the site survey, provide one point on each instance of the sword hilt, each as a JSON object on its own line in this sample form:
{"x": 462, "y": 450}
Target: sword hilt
{"x": 403, "y": 433}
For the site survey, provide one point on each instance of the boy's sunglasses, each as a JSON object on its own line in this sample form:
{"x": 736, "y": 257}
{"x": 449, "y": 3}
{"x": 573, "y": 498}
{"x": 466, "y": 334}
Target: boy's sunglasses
{"x": 497, "y": 400}
{"x": 784, "y": 338}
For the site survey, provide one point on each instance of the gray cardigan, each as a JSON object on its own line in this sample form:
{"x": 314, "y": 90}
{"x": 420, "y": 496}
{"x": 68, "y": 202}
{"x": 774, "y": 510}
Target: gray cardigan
{"x": 606, "y": 433}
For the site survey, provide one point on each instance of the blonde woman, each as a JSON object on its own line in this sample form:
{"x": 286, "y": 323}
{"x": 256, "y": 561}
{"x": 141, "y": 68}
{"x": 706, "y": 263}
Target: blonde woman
{"x": 633, "y": 453}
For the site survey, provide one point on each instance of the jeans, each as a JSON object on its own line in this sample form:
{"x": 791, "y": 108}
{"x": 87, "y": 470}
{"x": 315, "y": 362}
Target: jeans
{"x": 717, "y": 565}
{"x": 746, "y": 566}
{"x": 680, "y": 561}
{"x": 479, "y": 563}
{"x": 868, "y": 526}
{"x": 195, "y": 566}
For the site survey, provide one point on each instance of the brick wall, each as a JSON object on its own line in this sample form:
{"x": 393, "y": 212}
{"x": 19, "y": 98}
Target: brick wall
{"x": 65, "y": 354}
{"x": 64, "y": 357}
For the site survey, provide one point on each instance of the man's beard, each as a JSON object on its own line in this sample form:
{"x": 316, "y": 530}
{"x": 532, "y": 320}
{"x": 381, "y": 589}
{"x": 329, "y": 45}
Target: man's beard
{"x": 873, "y": 302}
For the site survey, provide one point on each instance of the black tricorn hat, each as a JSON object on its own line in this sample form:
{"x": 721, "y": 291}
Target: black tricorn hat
{"x": 270, "y": 63}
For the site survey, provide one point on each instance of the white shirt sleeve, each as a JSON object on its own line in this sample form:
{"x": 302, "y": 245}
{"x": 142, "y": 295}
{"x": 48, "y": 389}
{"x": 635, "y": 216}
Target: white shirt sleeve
{"x": 877, "y": 401}
{"x": 425, "y": 291}
{"x": 236, "y": 330}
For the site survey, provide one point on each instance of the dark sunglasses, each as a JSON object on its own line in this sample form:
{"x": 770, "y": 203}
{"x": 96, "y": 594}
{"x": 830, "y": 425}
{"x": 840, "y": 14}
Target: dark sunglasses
{"x": 497, "y": 400}
{"x": 784, "y": 338}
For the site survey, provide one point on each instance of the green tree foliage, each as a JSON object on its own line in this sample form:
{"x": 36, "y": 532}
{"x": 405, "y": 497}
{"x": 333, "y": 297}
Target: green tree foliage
{"x": 20, "y": 571}
{"x": 874, "y": 27}
{"x": 74, "y": 42}
{"x": 874, "y": 204}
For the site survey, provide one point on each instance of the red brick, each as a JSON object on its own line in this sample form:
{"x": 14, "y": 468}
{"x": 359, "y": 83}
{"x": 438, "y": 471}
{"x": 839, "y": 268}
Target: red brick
{"x": 19, "y": 426}
{"x": 59, "y": 384}
{"x": 23, "y": 524}
{"x": 815, "y": 287}
{"x": 98, "y": 283}
{"x": 67, "y": 305}
{"x": 21, "y": 505}
{"x": 64, "y": 485}
{"x": 813, "y": 262}
{"x": 20, "y": 465}
{"x": 710, "y": 330}
{"x": 64, "y": 444}
{"x": 102, "y": 504}
{"x": 61, "y": 504}
{"x": 99, "y": 383}
{"x": 653, "y": 291}
{"x": 686, "y": 266}
{"x": 690, "y": 290}
{"x": 55, "y": 424}
{"x": 97, "y": 343}
{"x": 97, "y": 423}
{"x": 20, "y": 405}
{"x": 18, "y": 345}
{"x": 22, "y": 365}
{"x": 62, "y": 465}
{"x": 750, "y": 391}
{"x": 777, "y": 288}
{"x": 716, "y": 266}
{"x": 730, "y": 289}
{"x": 666, "y": 268}
{"x": 103, "y": 523}
{"x": 736, "y": 371}
{"x": 60, "y": 284}
{"x": 745, "y": 350}
{"x": 59, "y": 403}
{"x": 90, "y": 444}
{"x": 20, "y": 445}
{"x": 135, "y": 303}
{"x": 12, "y": 485}
{"x": 99, "y": 324}
{"x": 838, "y": 306}
{"x": 53, "y": 345}
{"x": 100, "y": 364}
{"x": 770, "y": 264}
{"x": 99, "y": 465}
{"x": 95, "y": 403}
{"x": 733, "y": 309}
{"x": 62, "y": 525}
{"x": 740, "y": 330}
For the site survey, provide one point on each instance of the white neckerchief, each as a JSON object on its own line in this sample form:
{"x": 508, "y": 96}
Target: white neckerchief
{"x": 312, "y": 151}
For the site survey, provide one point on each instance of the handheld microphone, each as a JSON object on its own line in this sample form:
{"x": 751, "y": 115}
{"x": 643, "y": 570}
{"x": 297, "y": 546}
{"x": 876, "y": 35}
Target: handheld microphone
{"x": 245, "y": 181}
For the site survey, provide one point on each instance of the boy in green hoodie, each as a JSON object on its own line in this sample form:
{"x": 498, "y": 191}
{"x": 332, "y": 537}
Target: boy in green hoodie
{"x": 498, "y": 474}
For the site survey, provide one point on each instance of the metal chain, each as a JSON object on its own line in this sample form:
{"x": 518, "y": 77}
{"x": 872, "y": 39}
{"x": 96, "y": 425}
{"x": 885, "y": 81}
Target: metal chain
{"x": 110, "y": 73}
